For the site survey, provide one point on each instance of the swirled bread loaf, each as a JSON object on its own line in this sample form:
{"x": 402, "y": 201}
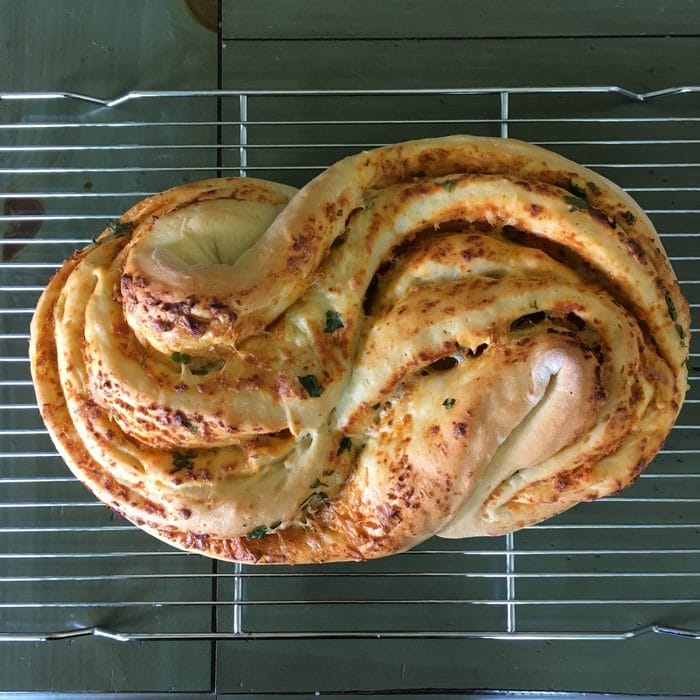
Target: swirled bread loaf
{"x": 457, "y": 336}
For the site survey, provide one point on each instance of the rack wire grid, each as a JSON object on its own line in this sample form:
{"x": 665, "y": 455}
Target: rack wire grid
{"x": 613, "y": 569}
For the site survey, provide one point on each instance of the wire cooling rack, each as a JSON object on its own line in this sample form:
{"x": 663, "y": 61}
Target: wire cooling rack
{"x": 611, "y": 570}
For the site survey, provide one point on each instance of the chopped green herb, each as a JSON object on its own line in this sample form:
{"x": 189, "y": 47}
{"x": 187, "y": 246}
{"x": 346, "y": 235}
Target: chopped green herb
{"x": 189, "y": 426}
{"x": 314, "y": 500}
{"x": 628, "y": 217}
{"x": 198, "y": 369}
{"x": 577, "y": 203}
{"x": 534, "y": 305}
{"x": 181, "y": 358}
{"x": 345, "y": 446}
{"x": 311, "y": 384}
{"x": 449, "y": 184}
{"x": 258, "y": 533}
{"x": 339, "y": 213}
{"x": 333, "y": 322}
{"x": 181, "y": 460}
{"x": 593, "y": 188}
{"x": 317, "y": 483}
{"x": 671, "y": 307}
{"x": 449, "y": 403}
{"x": 674, "y": 315}
{"x": 207, "y": 367}
{"x": 376, "y": 406}
{"x": 119, "y": 228}
{"x": 578, "y": 191}
{"x": 116, "y": 228}
{"x": 262, "y": 530}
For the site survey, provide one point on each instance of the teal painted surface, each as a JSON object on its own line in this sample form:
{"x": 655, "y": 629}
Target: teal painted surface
{"x": 637, "y": 63}
{"x": 645, "y": 666}
{"x": 107, "y": 48}
{"x": 441, "y": 19}
{"x": 104, "y": 48}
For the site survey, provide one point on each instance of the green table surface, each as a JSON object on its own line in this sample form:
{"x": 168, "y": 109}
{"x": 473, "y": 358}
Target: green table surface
{"x": 105, "y": 49}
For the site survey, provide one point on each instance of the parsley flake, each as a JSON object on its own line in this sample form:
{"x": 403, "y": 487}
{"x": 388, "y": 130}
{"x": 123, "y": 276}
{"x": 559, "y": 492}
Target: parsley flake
{"x": 671, "y": 307}
{"x": 311, "y": 384}
{"x": 578, "y": 191}
{"x": 628, "y": 217}
{"x": 207, "y": 367}
{"x": 345, "y": 446}
{"x": 258, "y": 533}
{"x": 314, "y": 500}
{"x": 577, "y": 203}
{"x": 181, "y": 460}
{"x": 181, "y": 358}
{"x": 317, "y": 483}
{"x": 119, "y": 228}
{"x": 333, "y": 322}
{"x": 116, "y": 229}
{"x": 449, "y": 403}
{"x": 189, "y": 426}
{"x": 449, "y": 184}
{"x": 674, "y": 315}
{"x": 593, "y": 188}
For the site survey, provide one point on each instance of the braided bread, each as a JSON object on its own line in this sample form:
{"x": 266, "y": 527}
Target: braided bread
{"x": 458, "y": 336}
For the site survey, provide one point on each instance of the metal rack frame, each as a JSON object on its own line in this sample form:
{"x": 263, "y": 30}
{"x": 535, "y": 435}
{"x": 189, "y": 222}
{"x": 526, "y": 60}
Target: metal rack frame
{"x": 236, "y": 149}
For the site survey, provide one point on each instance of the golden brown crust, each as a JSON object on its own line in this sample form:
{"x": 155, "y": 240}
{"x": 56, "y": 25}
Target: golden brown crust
{"x": 457, "y": 336}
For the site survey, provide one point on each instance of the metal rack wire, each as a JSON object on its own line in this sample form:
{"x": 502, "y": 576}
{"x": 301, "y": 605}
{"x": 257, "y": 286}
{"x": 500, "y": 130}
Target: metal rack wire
{"x": 611, "y": 570}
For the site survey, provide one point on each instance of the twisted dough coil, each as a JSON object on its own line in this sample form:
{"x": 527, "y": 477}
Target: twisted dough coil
{"x": 457, "y": 336}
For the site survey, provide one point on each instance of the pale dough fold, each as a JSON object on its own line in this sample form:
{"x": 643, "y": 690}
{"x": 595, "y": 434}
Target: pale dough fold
{"x": 458, "y": 336}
